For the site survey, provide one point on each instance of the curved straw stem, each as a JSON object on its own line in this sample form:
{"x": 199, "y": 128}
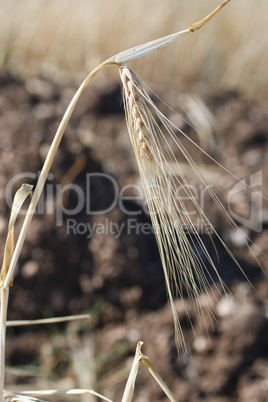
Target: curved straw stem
{"x": 197, "y": 25}
{"x": 45, "y": 170}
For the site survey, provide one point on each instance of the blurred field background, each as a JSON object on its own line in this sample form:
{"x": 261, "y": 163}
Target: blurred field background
{"x": 68, "y": 38}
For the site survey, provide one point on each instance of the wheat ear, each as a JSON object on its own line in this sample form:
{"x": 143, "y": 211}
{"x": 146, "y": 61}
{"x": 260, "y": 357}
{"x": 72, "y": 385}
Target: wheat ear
{"x": 185, "y": 258}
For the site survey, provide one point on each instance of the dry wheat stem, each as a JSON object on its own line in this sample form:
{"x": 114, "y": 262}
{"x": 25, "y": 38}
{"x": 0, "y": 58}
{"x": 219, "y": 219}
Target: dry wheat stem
{"x": 19, "y": 199}
{"x": 45, "y": 170}
{"x": 50, "y": 392}
{"x": 42, "y": 321}
{"x": 157, "y": 378}
{"x": 130, "y": 385}
{"x": 3, "y": 318}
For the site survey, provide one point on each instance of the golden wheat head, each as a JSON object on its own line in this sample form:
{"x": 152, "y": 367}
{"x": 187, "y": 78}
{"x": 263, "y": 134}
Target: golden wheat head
{"x": 185, "y": 258}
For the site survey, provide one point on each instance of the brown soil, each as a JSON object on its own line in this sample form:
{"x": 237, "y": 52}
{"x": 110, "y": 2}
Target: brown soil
{"x": 120, "y": 280}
